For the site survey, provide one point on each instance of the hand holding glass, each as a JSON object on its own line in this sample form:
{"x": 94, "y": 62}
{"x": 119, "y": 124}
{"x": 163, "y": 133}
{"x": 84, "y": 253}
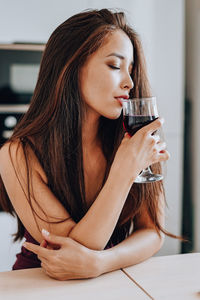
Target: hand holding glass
{"x": 138, "y": 113}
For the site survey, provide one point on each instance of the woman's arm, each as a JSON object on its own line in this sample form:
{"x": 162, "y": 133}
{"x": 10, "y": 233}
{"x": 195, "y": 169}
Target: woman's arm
{"x": 93, "y": 231}
{"x": 142, "y": 244}
{"x": 73, "y": 261}
{"x": 96, "y": 227}
{"x": 138, "y": 247}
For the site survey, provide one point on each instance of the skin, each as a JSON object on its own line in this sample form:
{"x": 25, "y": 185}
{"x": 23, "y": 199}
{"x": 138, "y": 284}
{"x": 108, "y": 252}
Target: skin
{"x": 106, "y": 75}
{"x": 76, "y": 250}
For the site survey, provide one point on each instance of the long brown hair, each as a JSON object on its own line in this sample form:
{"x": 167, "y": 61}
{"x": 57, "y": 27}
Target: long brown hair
{"x": 53, "y": 121}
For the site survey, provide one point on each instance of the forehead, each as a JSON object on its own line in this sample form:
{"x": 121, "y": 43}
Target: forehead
{"x": 117, "y": 42}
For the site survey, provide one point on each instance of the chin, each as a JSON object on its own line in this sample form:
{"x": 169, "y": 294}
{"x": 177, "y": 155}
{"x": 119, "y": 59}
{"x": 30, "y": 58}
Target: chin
{"x": 114, "y": 114}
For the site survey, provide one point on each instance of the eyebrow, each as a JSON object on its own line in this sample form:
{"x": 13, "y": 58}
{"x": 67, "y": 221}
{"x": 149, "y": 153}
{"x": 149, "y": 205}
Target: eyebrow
{"x": 118, "y": 55}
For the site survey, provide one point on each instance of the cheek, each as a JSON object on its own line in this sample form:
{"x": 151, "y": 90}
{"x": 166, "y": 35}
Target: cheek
{"x": 105, "y": 83}
{"x": 98, "y": 87}
{"x": 95, "y": 83}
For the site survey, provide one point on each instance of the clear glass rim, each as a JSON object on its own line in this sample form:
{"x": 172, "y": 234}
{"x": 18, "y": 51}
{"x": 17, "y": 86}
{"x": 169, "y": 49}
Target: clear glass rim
{"x": 139, "y": 99}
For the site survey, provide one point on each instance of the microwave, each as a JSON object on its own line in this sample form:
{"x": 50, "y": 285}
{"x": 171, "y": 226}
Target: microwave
{"x": 19, "y": 67}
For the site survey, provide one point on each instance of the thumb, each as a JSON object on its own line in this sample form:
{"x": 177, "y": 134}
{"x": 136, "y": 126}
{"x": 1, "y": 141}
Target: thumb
{"x": 52, "y": 238}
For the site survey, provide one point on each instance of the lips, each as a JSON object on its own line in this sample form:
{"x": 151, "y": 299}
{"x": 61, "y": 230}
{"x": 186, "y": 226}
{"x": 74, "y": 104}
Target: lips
{"x": 121, "y": 98}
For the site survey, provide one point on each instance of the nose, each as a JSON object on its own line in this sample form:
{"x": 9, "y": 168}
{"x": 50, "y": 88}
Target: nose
{"x": 127, "y": 82}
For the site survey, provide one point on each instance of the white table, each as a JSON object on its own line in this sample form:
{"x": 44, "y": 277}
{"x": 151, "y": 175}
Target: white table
{"x": 34, "y": 284}
{"x": 174, "y": 277}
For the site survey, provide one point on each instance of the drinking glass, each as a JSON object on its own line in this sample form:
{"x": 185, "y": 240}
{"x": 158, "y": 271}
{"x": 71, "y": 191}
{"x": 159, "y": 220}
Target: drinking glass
{"x": 137, "y": 113}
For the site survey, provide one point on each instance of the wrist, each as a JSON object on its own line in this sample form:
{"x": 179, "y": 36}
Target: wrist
{"x": 97, "y": 262}
{"x": 100, "y": 262}
{"x": 123, "y": 175}
{"x": 104, "y": 260}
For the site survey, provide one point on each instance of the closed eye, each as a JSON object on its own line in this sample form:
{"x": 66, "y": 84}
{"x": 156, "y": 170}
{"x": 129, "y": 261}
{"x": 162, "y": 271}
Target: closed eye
{"x": 114, "y": 67}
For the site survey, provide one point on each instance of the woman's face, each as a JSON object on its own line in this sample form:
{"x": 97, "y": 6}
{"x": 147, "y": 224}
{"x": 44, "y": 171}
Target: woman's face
{"x": 105, "y": 77}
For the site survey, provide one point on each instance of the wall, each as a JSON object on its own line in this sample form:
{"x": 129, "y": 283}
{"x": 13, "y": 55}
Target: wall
{"x": 193, "y": 95}
{"x": 161, "y": 27}
{"x": 8, "y": 248}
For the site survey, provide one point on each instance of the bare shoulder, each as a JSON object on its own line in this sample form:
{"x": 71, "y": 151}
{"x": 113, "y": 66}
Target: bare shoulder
{"x": 12, "y": 156}
{"x": 8, "y": 152}
{"x": 4, "y": 151}
{"x": 28, "y": 191}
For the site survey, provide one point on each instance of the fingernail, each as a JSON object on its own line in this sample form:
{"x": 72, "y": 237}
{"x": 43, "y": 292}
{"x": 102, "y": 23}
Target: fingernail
{"x": 45, "y": 232}
{"x": 24, "y": 245}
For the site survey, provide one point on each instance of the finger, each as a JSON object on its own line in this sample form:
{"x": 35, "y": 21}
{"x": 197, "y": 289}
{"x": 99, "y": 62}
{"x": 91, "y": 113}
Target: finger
{"x": 153, "y": 126}
{"x": 40, "y": 251}
{"x": 54, "y": 276}
{"x": 51, "y": 272}
{"x": 44, "y": 244}
{"x": 45, "y": 269}
{"x": 44, "y": 265}
{"x": 43, "y": 259}
{"x": 53, "y": 239}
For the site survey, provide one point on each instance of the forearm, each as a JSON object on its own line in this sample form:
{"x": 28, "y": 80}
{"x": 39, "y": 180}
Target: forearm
{"x": 136, "y": 248}
{"x": 96, "y": 227}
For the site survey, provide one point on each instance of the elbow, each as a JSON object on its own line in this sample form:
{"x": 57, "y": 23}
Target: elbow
{"x": 161, "y": 239}
{"x": 84, "y": 238}
{"x": 158, "y": 238}
{"x": 90, "y": 243}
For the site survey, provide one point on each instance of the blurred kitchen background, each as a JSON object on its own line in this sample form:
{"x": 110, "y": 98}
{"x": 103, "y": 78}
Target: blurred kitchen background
{"x": 170, "y": 33}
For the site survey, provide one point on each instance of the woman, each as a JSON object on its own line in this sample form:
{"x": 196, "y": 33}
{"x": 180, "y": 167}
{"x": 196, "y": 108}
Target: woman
{"x": 70, "y": 169}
